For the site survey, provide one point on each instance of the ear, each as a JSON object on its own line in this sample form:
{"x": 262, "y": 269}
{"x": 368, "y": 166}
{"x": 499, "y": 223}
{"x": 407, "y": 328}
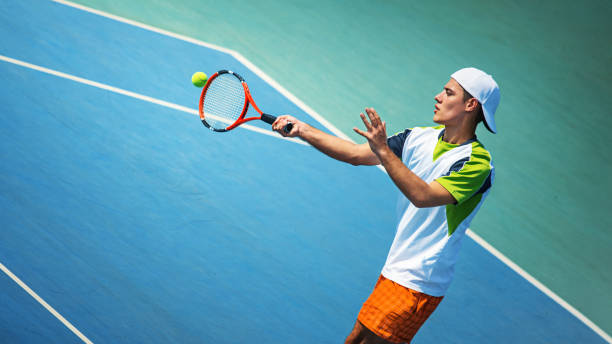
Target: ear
{"x": 471, "y": 105}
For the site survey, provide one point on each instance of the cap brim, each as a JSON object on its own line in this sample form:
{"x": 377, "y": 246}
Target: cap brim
{"x": 489, "y": 121}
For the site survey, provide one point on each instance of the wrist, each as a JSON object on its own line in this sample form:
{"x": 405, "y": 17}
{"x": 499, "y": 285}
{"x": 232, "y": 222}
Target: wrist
{"x": 384, "y": 153}
{"x": 303, "y": 130}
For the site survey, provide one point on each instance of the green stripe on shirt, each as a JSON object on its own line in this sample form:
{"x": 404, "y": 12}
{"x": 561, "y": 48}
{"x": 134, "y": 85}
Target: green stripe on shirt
{"x": 464, "y": 184}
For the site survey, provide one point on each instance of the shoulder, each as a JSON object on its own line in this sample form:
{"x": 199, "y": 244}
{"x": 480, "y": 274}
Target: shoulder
{"x": 469, "y": 175}
{"x": 474, "y": 161}
{"x": 397, "y": 141}
{"x": 480, "y": 155}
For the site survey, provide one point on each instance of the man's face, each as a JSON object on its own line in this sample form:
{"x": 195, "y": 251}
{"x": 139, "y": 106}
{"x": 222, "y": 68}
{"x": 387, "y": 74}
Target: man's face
{"x": 449, "y": 107}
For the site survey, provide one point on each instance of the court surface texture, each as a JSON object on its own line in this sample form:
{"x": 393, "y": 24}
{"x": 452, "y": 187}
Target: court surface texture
{"x": 125, "y": 221}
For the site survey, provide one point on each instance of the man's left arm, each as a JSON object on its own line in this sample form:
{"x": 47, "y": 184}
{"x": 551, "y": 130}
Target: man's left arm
{"x": 412, "y": 186}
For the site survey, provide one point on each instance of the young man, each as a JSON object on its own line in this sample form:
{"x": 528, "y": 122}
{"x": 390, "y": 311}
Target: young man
{"x": 443, "y": 174}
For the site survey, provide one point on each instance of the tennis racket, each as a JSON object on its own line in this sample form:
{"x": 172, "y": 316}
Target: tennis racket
{"x": 224, "y": 103}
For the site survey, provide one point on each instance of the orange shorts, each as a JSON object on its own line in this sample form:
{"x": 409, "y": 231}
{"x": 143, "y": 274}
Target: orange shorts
{"x": 394, "y": 312}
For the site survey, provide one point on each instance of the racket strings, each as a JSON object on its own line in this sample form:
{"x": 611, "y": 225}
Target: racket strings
{"x": 223, "y": 101}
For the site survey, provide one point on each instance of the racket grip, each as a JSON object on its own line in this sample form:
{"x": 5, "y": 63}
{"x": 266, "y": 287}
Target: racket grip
{"x": 288, "y": 127}
{"x": 270, "y": 119}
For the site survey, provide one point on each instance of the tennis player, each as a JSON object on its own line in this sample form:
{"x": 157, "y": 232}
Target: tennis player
{"x": 443, "y": 174}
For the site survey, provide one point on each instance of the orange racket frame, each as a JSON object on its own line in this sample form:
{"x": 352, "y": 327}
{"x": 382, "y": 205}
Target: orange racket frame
{"x": 248, "y": 99}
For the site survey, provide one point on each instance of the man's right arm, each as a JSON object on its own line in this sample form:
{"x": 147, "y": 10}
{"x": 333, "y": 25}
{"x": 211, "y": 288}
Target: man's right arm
{"x": 333, "y": 146}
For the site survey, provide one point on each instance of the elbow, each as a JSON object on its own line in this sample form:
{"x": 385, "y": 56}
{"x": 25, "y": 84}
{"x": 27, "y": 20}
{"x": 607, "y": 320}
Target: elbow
{"x": 420, "y": 201}
{"x": 354, "y": 160}
{"x": 419, "y": 204}
{"x": 360, "y": 160}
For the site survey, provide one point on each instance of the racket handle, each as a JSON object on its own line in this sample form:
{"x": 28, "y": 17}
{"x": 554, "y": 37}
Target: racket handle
{"x": 288, "y": 127}
{"x": 270, "y": 119}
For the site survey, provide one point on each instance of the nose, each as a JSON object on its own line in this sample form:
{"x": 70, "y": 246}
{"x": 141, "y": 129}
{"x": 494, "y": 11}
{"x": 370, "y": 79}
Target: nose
{"x": 438, "y": 97}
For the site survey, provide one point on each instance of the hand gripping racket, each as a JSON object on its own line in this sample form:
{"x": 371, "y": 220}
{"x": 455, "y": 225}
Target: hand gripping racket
{"x": 225, "y": 101}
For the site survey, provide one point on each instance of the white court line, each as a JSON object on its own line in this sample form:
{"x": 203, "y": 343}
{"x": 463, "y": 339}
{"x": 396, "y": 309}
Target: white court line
{"x": 136, "y": 95}
{"x": 44, "y": 304}
{"x": 339, "y": 133}
{"x": 540, "y": 286}
{"x": 129, "y": 94}
{"x": 233, "y": 53}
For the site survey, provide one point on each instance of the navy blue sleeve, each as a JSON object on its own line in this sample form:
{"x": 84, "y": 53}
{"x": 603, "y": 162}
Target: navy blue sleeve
{"x": 396, "y": 142}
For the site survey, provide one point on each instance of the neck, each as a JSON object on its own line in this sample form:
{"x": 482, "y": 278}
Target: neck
{"x": 458, "y": 135}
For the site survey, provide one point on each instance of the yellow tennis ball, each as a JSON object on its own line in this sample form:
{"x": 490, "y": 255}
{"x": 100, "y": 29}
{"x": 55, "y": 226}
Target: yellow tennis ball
{"x": 199, "y": 79}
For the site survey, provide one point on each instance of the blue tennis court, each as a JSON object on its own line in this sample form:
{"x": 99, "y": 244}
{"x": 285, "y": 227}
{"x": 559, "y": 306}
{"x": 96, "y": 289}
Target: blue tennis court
{"x": 133, "y": 223}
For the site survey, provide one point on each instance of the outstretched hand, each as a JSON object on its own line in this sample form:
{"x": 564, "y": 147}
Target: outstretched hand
{"x": 376, "y": 130}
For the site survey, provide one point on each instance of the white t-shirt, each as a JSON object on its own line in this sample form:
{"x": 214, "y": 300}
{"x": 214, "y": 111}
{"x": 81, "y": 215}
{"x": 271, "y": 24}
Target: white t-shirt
{"x": 427, "y": 241}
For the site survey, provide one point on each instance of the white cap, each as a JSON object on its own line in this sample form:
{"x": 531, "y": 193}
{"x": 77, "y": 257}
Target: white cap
{"x": 482, "y": 87}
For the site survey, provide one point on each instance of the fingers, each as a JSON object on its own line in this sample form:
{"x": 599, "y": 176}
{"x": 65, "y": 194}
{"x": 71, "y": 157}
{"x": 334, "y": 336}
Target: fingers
{"x": 281, "y": 123}
{"x": 365, "y": 122}
{"x": 362, "y": 133}
{"x": 374, "y": 125}
{"x": 374, "y": 120}
{"x": 373, "y": 115}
